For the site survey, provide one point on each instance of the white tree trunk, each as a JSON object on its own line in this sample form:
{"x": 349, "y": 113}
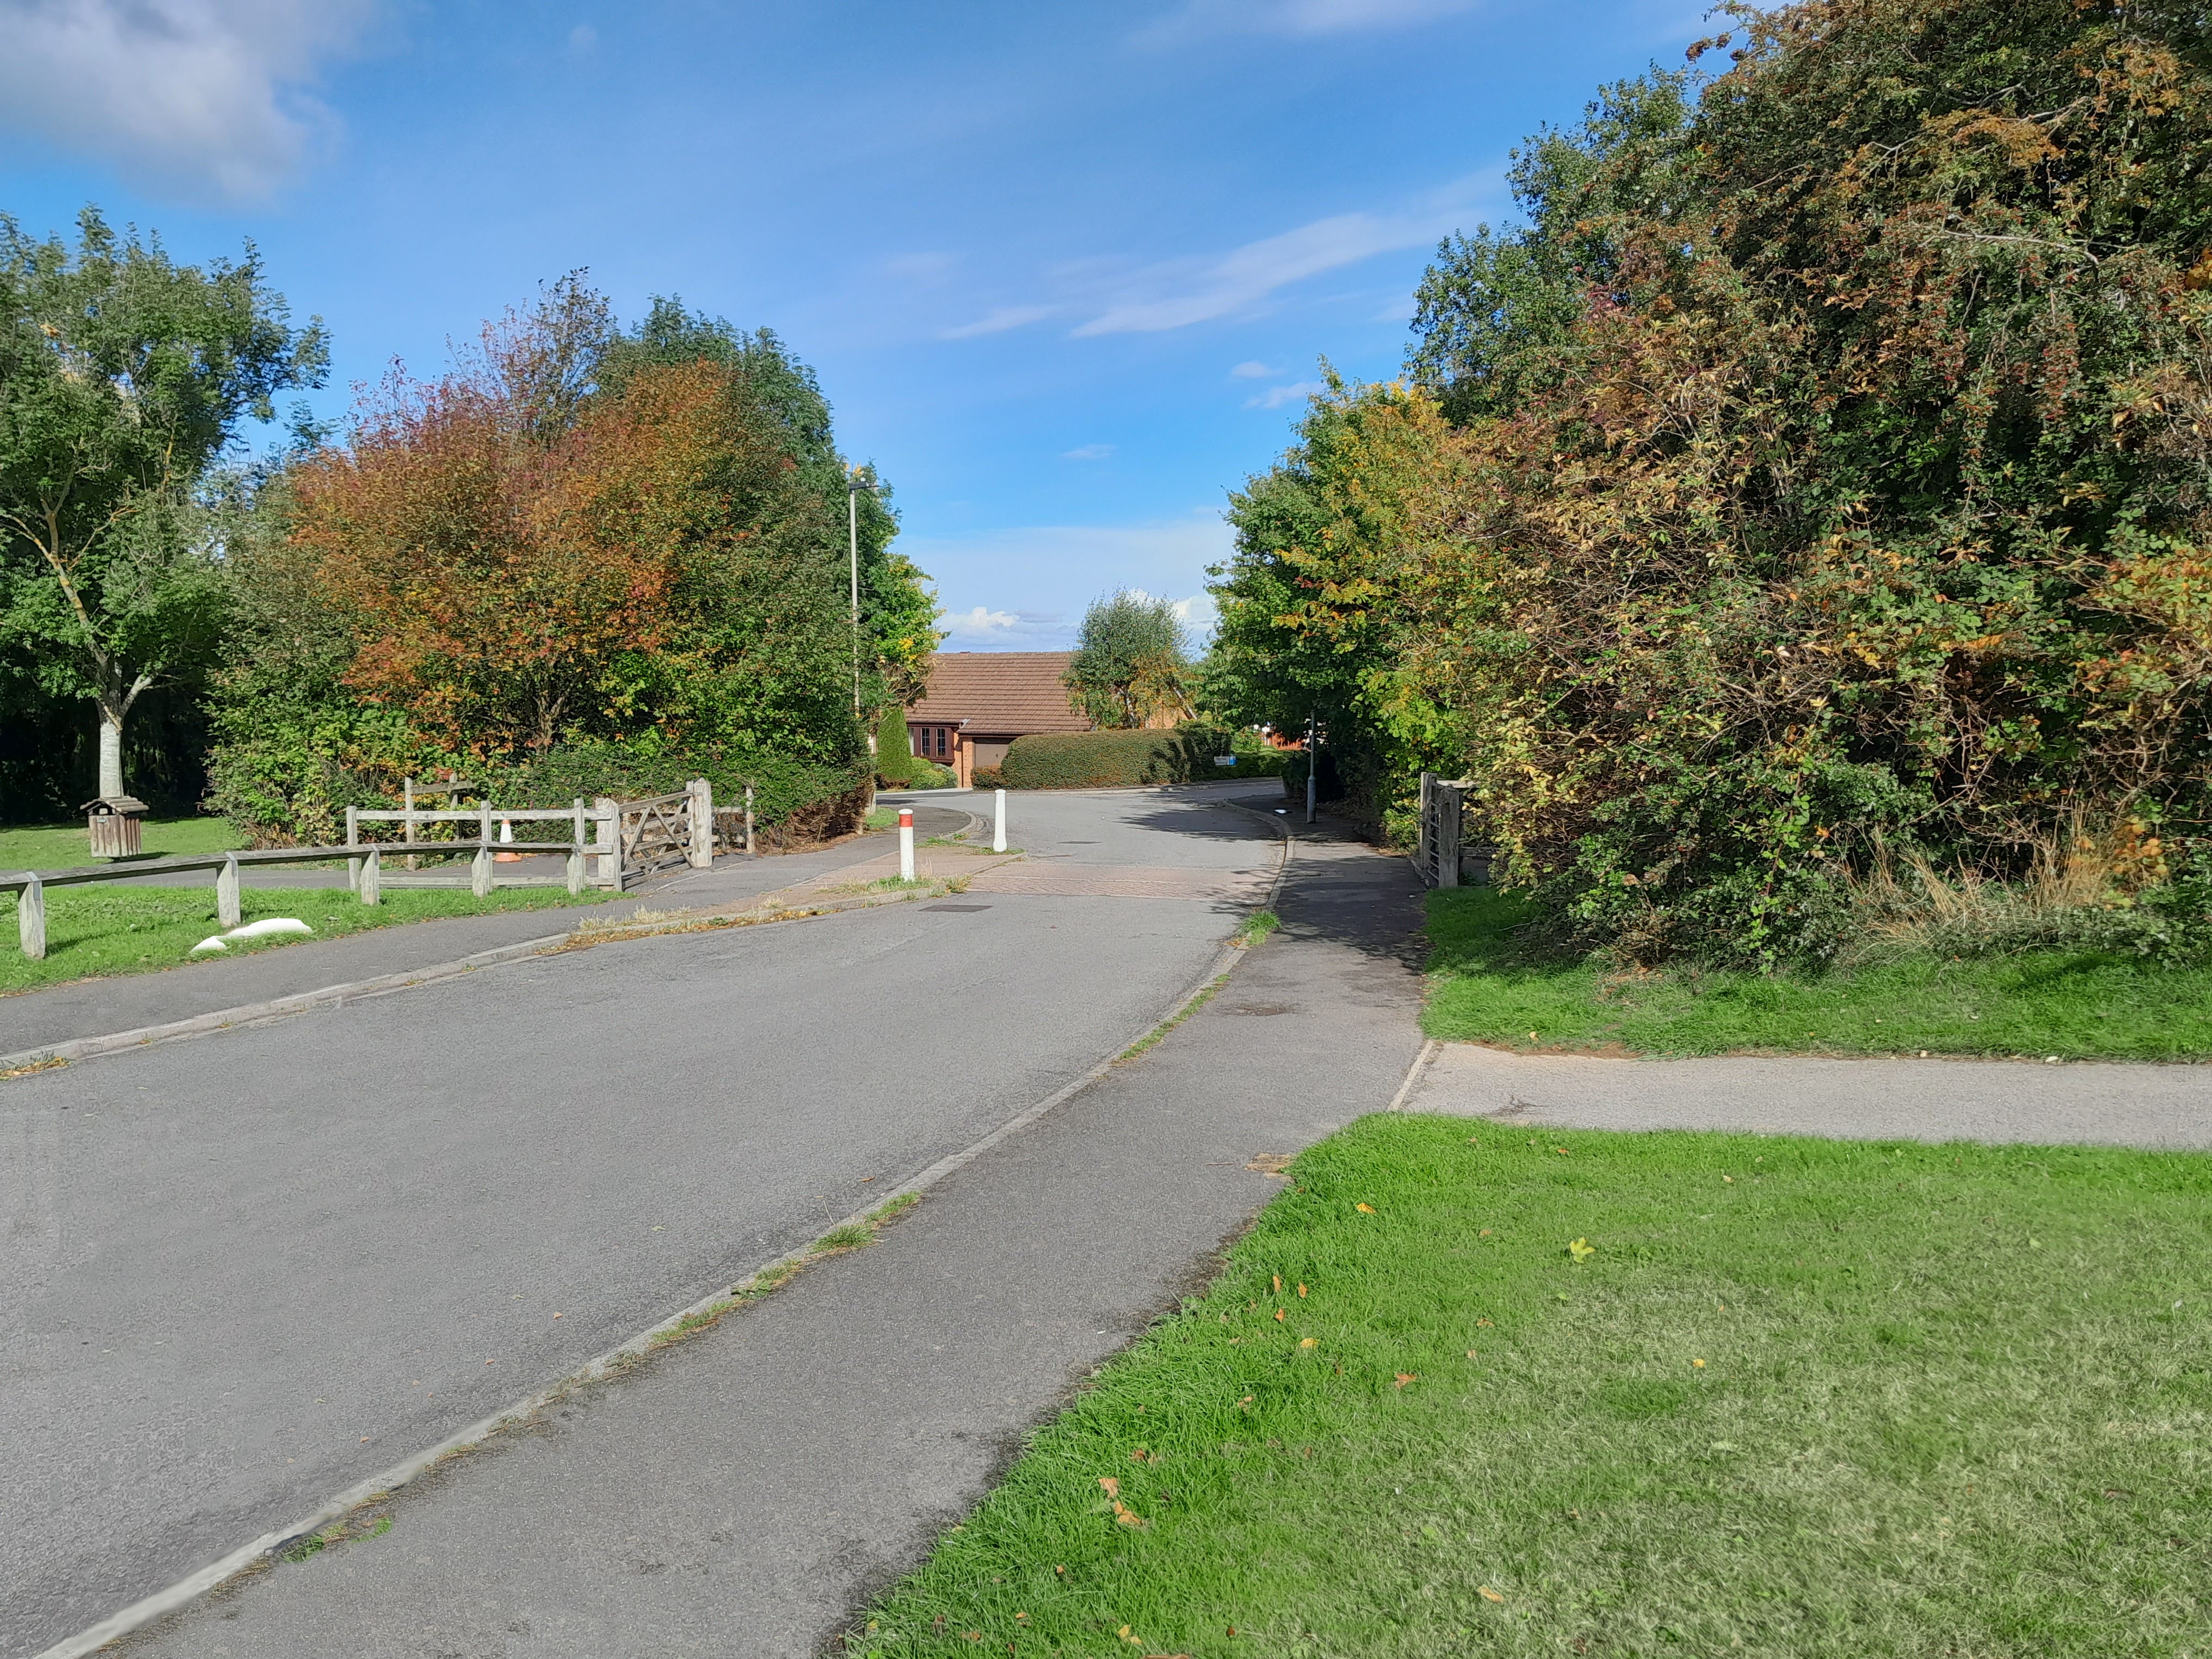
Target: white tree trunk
{"x": 110, "y": 753}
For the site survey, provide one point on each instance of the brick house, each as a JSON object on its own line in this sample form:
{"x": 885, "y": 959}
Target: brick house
{"x": 979, "y": 701}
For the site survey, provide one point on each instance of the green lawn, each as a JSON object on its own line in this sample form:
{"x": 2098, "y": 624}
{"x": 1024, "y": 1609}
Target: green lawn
{"x": 2075, "y": 1004}
{"x": 1954, "y": 1401}
{"x": 62, "y": 845}
{"x": 130, "y": 930}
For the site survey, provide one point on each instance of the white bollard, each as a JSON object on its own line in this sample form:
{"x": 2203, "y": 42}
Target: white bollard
{"x": 906, "y": 843}
{"x": 225, "y": 893}
{"x": 999, "y": 822}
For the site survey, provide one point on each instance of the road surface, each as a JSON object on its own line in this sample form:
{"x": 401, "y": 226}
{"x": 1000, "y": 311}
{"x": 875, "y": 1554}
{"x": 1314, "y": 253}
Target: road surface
{"x": 246, "y": 1271}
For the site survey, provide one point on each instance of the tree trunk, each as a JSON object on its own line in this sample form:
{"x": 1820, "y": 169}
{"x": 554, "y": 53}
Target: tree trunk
{"x": 111, "y": 750}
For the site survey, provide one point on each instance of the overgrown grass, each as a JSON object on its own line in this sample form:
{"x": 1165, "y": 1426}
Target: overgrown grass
{"x": 1951, "y": 1402}
{"x": 1257, "y": 926}
{"x": 63, "y": 846}
{"x": 108, "y": 929}
{"x": 1490, "y": 987}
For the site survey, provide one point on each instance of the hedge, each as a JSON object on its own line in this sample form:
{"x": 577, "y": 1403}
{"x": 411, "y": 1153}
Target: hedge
{"x": 793, "y": 800}
{"x": 1120, "y": 760}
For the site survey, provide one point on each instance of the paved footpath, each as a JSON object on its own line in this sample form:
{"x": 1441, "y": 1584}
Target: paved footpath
{"x": 130, "y": 1002}
{"x": 1992, "y": 1101}
{"x": 744, "y": 1491}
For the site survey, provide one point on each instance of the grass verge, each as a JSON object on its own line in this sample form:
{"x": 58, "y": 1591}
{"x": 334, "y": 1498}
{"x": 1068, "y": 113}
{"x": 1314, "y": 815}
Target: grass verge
{"x": 1794, "y": 1398}
{"x": 101, "y": 930}
{"x": 62, "y": 845}
{"x": 2072, "y": 1004}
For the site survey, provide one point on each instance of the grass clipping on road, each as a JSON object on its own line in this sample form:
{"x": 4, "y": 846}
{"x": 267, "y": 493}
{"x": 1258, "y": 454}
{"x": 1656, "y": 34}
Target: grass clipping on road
{"x": 1463, "y": 1390}
{"x": 2072, "y": 1004}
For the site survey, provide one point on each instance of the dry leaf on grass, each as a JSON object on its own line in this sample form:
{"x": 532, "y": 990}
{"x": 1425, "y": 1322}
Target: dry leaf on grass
{"x": 1488, "y": 1594}
{"x": 1404, "y": 1377}
{"x": 1581, "y": 1248}
{"x": 1365, "y": 1209}
{"x": 1308, "y": 1342}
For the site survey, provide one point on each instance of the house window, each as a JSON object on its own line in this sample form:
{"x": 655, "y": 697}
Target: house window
{"x": 941, "y": 731}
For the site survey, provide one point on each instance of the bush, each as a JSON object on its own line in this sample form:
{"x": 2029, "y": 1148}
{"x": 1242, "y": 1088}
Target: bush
{"x": 897, "y": 764}
{"x": 793, "y": 800}
{"x": 1122, "y": 760}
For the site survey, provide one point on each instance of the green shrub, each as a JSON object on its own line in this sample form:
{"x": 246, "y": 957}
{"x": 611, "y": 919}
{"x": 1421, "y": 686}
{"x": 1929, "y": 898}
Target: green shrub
{"x": 792, "y": 799}
{"x": 1122, "y": 760}
{"x": 895, "y": 761}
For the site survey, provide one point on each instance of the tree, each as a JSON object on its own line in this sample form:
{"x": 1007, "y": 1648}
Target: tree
{"x": 898, "y": 611}
{"x": 1819, "y": 475}
{"x": 123, "y": 377}
{"x": 1132, "y": 665}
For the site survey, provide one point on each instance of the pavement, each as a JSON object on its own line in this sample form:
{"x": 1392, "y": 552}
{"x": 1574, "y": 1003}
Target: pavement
{"x": 249, "y": 1270}
{"x": 2088, "y": 1103}
{"x": 94, "y": 1007}
{"x": 245, "y": 1272}
{"x": 744, "y": 1491}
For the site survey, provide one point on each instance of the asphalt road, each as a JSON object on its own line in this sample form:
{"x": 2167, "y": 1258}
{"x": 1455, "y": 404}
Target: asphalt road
{"x": 243, "y": 1272}
{"x": 130, "y": 1002}
{"x": 740, "y": 1495}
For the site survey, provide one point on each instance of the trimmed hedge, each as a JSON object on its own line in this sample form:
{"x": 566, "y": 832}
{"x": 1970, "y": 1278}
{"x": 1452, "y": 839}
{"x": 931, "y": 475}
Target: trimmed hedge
{"x": 795, "y": 801}
{"x": 1122, "y": 760}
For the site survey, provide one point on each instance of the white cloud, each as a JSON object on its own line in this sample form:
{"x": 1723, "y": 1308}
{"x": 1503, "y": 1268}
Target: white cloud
{"x": 1251, "y": 372}
{"x": 205, "y": 95}
{"x": 981, "y": 620}
{"x": 1088, "y": 453}
{"x": 1045, "y": 574}
{"x": 983, "y": 628}
{"x": 1196, "y": 613}
{"x": 1297, "y": 18}
{"x": 1276, "y": 396}
{"x": 1179, "y": 293}
{"x": 582, "y": 38}
{"x": 998, "y": 321}
{"x": 1120, "y": 297}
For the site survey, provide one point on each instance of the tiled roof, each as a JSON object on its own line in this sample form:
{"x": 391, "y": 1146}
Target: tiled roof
{"x": 1000, "y": 693}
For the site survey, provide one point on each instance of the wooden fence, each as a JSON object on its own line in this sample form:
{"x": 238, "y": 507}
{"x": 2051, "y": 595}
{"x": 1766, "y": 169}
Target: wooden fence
{"x": 627, "y": 839}
{"x": 1442, "y": 854}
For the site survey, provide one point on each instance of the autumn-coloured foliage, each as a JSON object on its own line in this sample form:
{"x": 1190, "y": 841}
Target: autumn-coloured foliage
{"x": 580, "y": 552}
{"x": 1820, "y": 478}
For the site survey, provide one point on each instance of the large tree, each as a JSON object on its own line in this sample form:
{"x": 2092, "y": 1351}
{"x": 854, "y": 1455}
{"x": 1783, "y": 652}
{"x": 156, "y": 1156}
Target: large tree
{"x": 898, "y": 629}
{"x": 1132, "y": 663}
{"x": 1826, "y": 483}
{"x": 123, "y": 376}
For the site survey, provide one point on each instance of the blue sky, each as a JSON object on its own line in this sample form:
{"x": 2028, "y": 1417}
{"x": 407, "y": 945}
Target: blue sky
{"x": 1065, "y": 270}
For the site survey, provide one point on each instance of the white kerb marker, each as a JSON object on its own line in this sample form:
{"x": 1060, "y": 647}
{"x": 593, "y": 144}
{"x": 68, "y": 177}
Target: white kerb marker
{"x": 906, "y": 843}
{"x": 999, "y": 822}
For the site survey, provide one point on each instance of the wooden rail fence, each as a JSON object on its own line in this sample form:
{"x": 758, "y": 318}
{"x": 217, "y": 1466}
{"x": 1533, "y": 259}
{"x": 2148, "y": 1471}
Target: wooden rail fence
{"x": 627, "y": 839}
{"x": 1443, "y": 855}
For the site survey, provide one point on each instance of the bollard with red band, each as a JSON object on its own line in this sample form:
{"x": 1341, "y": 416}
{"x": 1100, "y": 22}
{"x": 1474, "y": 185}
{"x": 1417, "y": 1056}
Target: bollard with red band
{"x": 906, "y": 843}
